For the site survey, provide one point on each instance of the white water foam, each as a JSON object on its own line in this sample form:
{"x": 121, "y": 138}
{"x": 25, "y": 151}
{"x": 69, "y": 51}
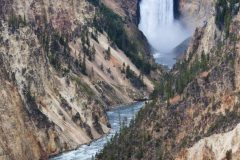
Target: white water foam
{"x": 115, "y": 117}
{"x": 161, "y": 29}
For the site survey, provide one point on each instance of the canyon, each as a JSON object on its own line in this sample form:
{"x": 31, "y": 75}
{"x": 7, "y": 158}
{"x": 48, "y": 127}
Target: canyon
{"x": 195, "y": 109}
{"x": 59, "y": 75}
{"x": 64, "y": 64}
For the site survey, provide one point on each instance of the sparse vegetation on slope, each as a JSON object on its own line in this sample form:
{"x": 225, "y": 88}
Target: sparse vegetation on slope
{"x": 172, "y": 84}
{"x": 196, "y": 99}
{"x": 226, "y": 9}
{"x": 62, "y": 72}
{"x": 108, "y": 21}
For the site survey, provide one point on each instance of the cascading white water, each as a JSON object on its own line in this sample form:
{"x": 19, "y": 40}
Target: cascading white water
{"x": 162, "y": 31}
{"x": 155, "y": 14}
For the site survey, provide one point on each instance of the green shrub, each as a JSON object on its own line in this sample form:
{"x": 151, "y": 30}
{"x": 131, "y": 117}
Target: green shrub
{"x": 83, "y": 86}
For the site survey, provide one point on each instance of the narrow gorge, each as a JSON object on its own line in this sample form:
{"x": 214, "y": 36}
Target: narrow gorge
{"x": 63, "y": 65}
{"x": 72, "y": 71}
{"x": 164, "y": 33}
{"x": 194, "y": 113}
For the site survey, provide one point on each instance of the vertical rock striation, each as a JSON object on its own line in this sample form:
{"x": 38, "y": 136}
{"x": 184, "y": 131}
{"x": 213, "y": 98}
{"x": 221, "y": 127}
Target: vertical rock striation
{"x": 55, "y": 79}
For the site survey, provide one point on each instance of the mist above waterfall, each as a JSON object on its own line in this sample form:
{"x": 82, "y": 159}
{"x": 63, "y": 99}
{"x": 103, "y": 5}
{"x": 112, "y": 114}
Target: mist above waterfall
{"x": 157, "y": 23}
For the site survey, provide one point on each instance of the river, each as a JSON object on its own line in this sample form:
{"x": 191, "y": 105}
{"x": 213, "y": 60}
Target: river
{"x": 115, "y": 116}
{"x": 163, "y": 33}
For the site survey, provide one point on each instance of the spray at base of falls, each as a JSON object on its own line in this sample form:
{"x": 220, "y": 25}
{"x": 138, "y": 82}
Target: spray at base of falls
{"x": 163, "y": 32}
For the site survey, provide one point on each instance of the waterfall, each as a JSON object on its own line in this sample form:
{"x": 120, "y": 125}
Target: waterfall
{"x": 155, "y": 14}
{"x": 163, "y": 32}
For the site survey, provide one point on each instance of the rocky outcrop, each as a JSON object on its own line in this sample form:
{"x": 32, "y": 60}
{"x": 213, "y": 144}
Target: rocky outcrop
{"x": 56, "y": 81}
{"x": 129, "y": 10}
{"x": 224, "y": 143}
{"x": 47, "y": 102}
{"x": 196, "y": 13}
{"x": 125, "y": 8}
{"x": 218, "y": 146}
{"x": 195, "y": 113}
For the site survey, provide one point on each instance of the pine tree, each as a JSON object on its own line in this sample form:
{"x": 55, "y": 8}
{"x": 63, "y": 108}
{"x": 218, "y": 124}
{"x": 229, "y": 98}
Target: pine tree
{"x": 92, "y": 73}
{"x": 93, "y": 53}
{"x": 102, "y": 68}
{"x": 88, "y": 41}
{"x": 24, "y": 20}
{"x": 84, "y": 64}
{"x": 128, "y": 71}
{"x": 108, "y": 54}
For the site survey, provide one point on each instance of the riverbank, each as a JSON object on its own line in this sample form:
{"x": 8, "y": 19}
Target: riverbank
{"x": 75, "y": 149}
{"x": 115, "y": 116}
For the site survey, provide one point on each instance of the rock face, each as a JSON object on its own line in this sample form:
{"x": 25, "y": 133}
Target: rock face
{"x": 124, "y": 8}
{"x": 218, "y": 146}
{"x": 224, "y": 143}
{"x": 201, "y": 119}
{"x": 54, "y": 95}
{"x": 196, "y": 13}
